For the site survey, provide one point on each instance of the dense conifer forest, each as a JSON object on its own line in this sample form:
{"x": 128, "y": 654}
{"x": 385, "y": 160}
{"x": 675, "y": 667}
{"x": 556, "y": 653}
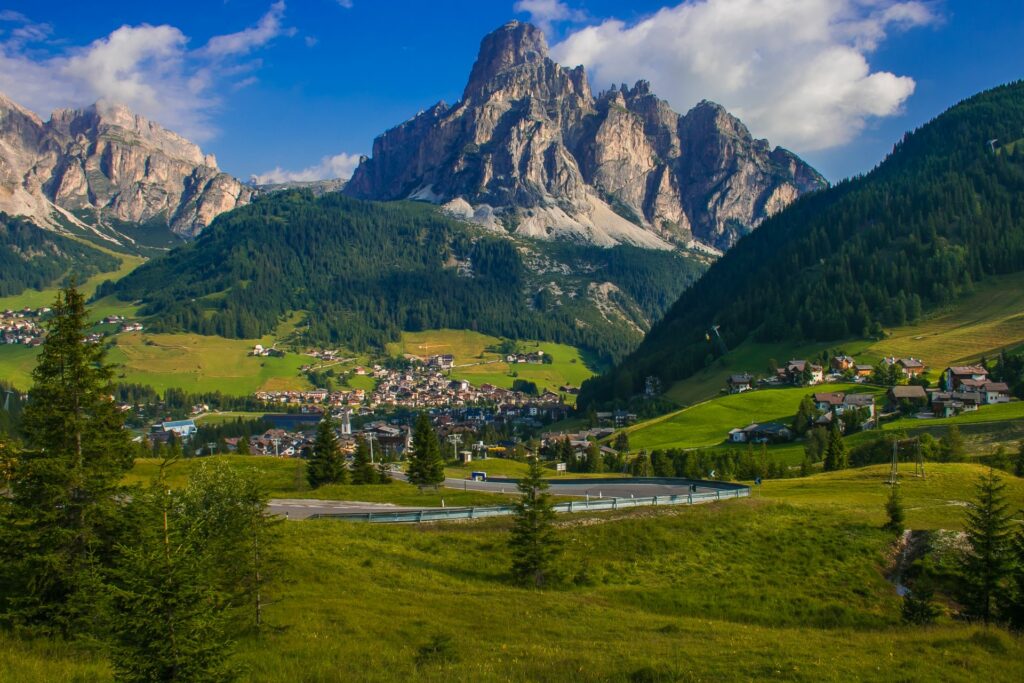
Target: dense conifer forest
{"x": 365, "y": 271}
{"x": 33, "y": 258}
{"x": 943, "y": 211}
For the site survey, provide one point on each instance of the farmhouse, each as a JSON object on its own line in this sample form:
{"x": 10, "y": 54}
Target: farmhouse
{"x": 737, "y": 384}
{"x": 842, "y": 363}
{"x": 794, "y": 370}
{"x": 957, "y": 375}
{"x": 907, "y": 397}
{"x": 761, "y": 433}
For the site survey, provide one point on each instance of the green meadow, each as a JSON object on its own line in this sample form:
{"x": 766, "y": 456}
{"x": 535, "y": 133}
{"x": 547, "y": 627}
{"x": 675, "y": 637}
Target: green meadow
{"x": 708, "y": 424}
{"x": 473, "y": 362}
{"x": 789, "y": 585}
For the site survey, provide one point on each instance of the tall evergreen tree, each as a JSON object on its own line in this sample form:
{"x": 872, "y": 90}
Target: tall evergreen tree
{"x": 535, "y": 546}
{"x": 63, "y": 509}
{"x": 426, "y": 468}
{"x": 1018, "y": 463}
{"x": 985, "y": 565}
{"x": 168, "y": 618}
{"x": 836, "y": 455}
{"x": 326, "y": 464}
{"x": 805, "y": 415}
{"x": 363, "y": 471}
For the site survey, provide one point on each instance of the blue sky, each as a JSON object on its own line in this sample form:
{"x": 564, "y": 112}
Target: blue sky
{"x": 304, "y": 86}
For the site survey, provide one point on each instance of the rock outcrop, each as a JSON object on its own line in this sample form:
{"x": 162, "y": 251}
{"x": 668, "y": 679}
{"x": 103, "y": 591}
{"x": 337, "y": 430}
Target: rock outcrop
{"x": 111, "y": 163}
{"x": 531, "y": 149}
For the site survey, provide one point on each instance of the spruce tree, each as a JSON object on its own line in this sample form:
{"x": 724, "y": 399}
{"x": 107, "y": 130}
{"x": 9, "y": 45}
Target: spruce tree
{"x": 595, "y": 459}
{"x": 1018, "y": 463}
{"x": 426, "y": 468}
{"x": 168, "y": 618}
{"x": 363, "y": 471}
{"x": 326, "y": 464}
{"x": 243, "y": 445}
{"x": 986, "y": 564}
{"x": 63, "y": 505}
{"x": 641, "y": 465}
{"x": 805, "y": 415}
{"x": 894, "y": 510}
{"x": 836, "y": 456}
{"x": 535, "y": 546}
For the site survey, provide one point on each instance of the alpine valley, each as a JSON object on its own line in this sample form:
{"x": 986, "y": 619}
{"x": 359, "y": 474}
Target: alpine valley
{"x": 545, "y": 213}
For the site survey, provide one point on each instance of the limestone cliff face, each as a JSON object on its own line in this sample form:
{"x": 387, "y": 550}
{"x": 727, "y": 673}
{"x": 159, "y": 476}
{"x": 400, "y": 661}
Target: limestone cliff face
{"x": 110, "y": 160}
{"x": 530, "y": 148}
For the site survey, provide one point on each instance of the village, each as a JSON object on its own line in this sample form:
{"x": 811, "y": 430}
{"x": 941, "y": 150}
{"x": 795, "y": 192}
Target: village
{"x": 22, "y": 327}
{"x": 961, "y": 389}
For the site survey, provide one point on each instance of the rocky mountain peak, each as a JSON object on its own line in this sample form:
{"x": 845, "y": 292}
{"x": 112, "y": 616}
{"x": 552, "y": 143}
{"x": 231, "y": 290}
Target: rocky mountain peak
{"x": 529, "y": 149}
{"x": 514, "y": 44}
{"x": 107, "y": 160}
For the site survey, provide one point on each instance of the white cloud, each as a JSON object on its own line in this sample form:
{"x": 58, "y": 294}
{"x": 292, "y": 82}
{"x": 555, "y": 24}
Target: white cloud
{"x": 244, "y": 42}
{"x": 545, "y": 13}
{"x": 337, "y": 166}
{"x": 347, "y": 4}
{"x": 147, "y": 68}
{"x": 795, "y": 71}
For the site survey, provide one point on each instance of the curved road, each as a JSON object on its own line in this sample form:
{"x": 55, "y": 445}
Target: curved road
{"x": 301, "y": 508}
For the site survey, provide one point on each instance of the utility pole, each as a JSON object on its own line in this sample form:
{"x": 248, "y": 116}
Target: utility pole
{"x": 455, "y": 439}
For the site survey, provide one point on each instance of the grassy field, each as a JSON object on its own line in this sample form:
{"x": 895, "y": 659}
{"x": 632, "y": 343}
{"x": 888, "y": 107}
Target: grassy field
{"x": 32, "y": 298}
{"x": 935, "y": 502}
{"x": 286, "y": 478}
{"x": 477, "y": 365}
{"x": 758, "y": 589}
{"x": 707, "y": 424}
{"x": 980, "y": 324}
{"x": 999, "y": 412}
{"x": 202, "y": 363}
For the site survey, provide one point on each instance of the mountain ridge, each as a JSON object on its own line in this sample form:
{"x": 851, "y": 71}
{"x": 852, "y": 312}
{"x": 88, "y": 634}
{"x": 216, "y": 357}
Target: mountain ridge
{"x": 531, "y": 150}
{"x": 102, "y": 165}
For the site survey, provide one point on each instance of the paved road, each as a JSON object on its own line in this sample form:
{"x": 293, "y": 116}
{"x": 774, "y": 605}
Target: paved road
{"x": 301, "y": 508}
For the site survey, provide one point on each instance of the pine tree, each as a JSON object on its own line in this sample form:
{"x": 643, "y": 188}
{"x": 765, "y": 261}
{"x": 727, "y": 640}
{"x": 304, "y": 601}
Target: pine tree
{"x": 1018, "y": 463}
{"x": 535, "y": 546}
{"x": 641, "y": 466}
{"x": 426, "y": 468}
{"x": 985, "y": 566}
{"x": 168, "y": 618}
{"x": 363, "y": 471}
{"x": 805, "y": 415}
{"x": 836, "y": 456}
{"x": 63, "y": 505}
{"x": 243, "y": 445}
{"x": 326, "y": 464}
{"x": 894, "y": 510}
{"x": 383, "y": 475}
{"x": 595, "y": 459}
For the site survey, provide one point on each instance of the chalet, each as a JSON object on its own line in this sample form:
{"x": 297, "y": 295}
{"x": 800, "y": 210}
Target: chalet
{"x": 737, "y": 384}
{"x": 911, "y": 367}
{"x": 860, "y": 402}
{"x": 995, "y": 392}
{"x": 863, "y": 370}
{"x": 442, "y": 362}
{"x": 955, "y": 375}
{"x": 950, "y": 403}
{"x": 761, "y": 433}
{"x": 910, "y": 396}
{"x": 793, "y": 372}
{"x": 829, "y": 401}
{"x": 842, "y": 363}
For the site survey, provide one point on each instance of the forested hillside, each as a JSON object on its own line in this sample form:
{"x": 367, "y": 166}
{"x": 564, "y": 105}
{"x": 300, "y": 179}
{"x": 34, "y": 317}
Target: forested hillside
{"x": 943, "y": 211}
{"x": 366, "y": 271}
{"x": 33, "y": 258}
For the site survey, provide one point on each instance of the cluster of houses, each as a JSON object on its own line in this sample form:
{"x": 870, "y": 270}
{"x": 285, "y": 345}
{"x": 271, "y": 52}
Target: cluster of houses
{"x": 964, "y": 389}
{"x": 800, "y": 373}
{"x": 124, "y": 324}
{"x": 350, "y": 397}
{"x": 22, "y": 327}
